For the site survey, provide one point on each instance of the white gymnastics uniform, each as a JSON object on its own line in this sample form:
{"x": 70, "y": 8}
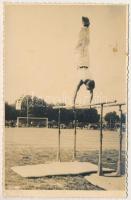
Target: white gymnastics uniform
{"x": 82, "y": 63}
{"x": 82, "y": 55}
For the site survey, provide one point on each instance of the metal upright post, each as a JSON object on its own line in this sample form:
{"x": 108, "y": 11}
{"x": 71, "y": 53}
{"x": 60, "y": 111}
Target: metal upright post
{"x": 100, "y": 172}
{"x": 74, "y": 153}
{"x": 27, "y": 112}
{"x": 119, "y": 169}
{"x": 17, "y": 123}
{"x": 59, "y": 132}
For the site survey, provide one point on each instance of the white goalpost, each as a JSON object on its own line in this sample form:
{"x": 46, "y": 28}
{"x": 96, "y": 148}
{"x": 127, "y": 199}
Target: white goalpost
{"x": 32, "y": 122}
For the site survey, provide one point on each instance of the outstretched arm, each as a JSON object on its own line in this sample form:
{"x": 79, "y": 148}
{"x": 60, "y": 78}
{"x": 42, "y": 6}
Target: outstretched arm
{"x": 77, "y": 89}
{"x": 91, "y": 97}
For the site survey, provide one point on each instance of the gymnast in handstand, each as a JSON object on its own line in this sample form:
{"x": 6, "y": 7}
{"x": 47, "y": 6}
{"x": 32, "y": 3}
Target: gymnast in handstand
{"x": 83, "y": 60}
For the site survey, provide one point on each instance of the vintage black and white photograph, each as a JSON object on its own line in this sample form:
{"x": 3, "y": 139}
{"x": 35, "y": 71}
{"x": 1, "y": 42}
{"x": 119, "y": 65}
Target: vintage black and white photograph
{"x": 65, "y": 83}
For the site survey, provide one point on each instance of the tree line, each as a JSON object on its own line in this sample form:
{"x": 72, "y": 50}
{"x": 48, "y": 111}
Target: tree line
{"x": 38, "y": 107}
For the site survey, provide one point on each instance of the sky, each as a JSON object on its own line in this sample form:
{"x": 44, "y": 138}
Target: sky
{"x": 39, "y": 51}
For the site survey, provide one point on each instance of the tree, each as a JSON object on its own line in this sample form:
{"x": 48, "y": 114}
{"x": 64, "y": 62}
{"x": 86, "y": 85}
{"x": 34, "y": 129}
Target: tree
{"x": 66, "y": 116}
{"x": 37, "y": 107}
{"x": 88, "y": 115}
{"x": 10, "y": 112}
{"x": 123, "y": 118}
{"x": 111, "y": 118}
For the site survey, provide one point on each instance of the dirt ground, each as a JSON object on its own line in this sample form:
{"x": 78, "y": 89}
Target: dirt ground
{"x": 37, "y": 146}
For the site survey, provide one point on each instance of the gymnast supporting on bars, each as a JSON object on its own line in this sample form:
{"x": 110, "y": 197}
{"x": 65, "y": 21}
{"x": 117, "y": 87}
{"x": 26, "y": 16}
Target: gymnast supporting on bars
{"x": 83, "y": 60}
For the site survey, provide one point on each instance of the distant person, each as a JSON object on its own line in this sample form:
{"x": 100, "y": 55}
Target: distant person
{"x": 83, "y": 60}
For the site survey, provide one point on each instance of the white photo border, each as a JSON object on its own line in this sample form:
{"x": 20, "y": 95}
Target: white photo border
{"x": 2, "y": 78}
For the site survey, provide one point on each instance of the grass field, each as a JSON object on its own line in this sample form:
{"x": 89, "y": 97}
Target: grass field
{"x": 39, "y": 145}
